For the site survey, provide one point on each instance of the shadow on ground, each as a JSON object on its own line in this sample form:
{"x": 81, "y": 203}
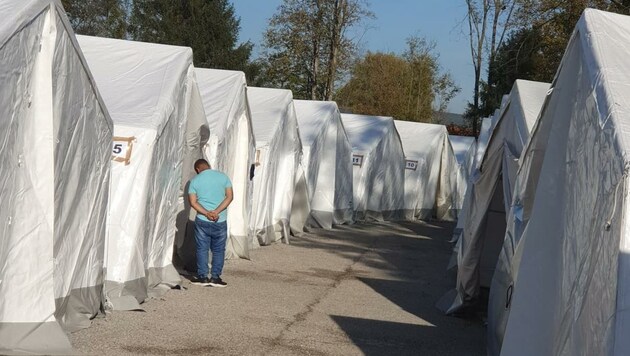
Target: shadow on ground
{"x": 414, "y": 257}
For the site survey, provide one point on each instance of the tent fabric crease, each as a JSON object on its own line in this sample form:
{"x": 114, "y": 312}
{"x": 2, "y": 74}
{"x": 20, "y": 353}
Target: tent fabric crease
{"x": 151, "y": 93}
{"x": 327, "y": 162}
{"x": 54, "y": 181}
{"x": 378, "y": 167}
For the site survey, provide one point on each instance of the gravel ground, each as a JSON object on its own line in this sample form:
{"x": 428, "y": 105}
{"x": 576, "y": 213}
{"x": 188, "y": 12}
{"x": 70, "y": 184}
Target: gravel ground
{"x": 362, "y": 289}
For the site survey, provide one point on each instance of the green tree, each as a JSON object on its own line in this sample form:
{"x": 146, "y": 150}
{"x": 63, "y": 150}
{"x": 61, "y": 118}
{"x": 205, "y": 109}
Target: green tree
{"x": 488, "y": 22}
{"x": 210, "y": 28}
{"x": 520, "y": 57}
{"x": 103, "y": 18}
{"x": 407, "y": 87}
{"x": 307, "y": 46}
{"x": 534, "y": 48}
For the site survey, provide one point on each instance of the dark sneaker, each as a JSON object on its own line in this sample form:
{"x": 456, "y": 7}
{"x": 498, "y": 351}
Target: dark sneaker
{"x": 200, "y": 281}
{"x": 217, "y": 282}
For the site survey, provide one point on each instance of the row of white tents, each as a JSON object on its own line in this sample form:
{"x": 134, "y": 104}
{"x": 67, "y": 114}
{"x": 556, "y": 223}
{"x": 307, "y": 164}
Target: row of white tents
{"x": 99, "y": 137}
{"x": 545, "y": 223}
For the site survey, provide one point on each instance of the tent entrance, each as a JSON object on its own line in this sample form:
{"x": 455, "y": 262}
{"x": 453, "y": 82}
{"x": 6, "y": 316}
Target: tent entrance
{"x": 493, "y": 228}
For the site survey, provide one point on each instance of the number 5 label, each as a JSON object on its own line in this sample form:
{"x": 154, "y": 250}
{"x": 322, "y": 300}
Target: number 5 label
{"x": 121, "y": 149}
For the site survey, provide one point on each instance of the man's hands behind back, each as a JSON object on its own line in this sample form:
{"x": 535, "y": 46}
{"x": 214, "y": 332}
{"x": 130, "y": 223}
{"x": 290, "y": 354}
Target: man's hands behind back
{"x": 212, "y": 215}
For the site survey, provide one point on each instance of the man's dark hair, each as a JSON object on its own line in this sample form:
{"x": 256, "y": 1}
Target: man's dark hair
{"x": 201, "y": 162}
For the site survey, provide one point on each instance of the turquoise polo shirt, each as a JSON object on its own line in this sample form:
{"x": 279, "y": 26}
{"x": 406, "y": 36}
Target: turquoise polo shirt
{"x": 209, "y": 187}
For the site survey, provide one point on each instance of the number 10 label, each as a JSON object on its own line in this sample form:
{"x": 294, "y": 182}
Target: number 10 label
{"x": 411, "y": 165}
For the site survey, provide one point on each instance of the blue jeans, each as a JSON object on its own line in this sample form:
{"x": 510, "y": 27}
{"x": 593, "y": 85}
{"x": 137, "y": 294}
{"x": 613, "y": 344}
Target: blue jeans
{"x": 210, "y": 236}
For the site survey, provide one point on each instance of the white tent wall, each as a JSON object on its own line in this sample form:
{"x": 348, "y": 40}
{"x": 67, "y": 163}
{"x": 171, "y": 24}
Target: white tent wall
{"x": 480, "y": 149}
{"x": 149, "y": 90}
{"x": 278, "y": 155}
{"x": 344, "y": 196}
{"x": 229, "y": 147}
{"x": 491, "y": 194}
{"x": 464, "y": 148}
{"x": 520, "y": 209}
{"x": 51, "y": 255}
{"x": 430, "y": 171}
{"x": 569, "y": 269}
{"x": 487, "y": 126}
{"x": 197, "y": 135}
{"x": 379, "y": 170}
{"x": 327, "y": 161}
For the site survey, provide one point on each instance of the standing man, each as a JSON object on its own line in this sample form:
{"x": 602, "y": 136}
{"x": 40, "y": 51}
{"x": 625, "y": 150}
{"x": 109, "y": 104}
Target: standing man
{"x": 210, "y": 194}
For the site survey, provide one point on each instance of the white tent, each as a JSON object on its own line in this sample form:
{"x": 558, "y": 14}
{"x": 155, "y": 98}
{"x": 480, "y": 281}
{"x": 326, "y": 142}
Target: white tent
{"x": 570, "y": 261}
{"x": 327, "y": 162}
{"x": 379, "y": 167}
{"x": 278, "y": 155}
{"x": 487, "y": 125}
{"x": 151, "y": 94}
{"x": 54, "y": 173}
{"x": 230, "y": 148}
{"x": 491, "y": 192}
{"x": 465, "y": 148}
{"x": 480, "y": 149}
{"x": 430, "y": 171}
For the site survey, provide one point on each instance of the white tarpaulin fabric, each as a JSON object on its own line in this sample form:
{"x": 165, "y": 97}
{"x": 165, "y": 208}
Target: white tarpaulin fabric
{"x": 379, "y": 167}
{"x": 327, "y": 163}
{"x": 278, "y": 155}
{"x": 465, "y": 148}
{"x": 230, "y": 148}
{"x": 487, "y": 125}
{"x": 430, "y": 171}
{"x": 54, "y": 176}
{"x": 151, "y": 94}
{"x": 491, "y": 192}
{"x": 570, "y": 264}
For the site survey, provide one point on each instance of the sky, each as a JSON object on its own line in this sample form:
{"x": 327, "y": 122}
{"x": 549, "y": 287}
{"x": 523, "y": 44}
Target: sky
{"x": 396, "y": 20}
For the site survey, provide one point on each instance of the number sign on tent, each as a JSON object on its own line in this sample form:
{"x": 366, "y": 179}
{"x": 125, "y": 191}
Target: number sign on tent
{"x": 379, "y": 167}
{"x": 430, "y": 171}
{"x": 151, "y": 94}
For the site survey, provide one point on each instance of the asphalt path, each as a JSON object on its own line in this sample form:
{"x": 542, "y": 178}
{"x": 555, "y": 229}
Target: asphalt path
{"x": 366, "y": 289}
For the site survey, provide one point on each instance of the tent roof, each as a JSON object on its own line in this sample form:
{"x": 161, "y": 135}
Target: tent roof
{"x": 606, "y": 62}
{"x": 139, "y": 81}
{"x": 267, "y": 107}
{"x": 219, "y": 90}
{"x": 484, "y": 137}
{"x": 521, "y": 109}
{"x": 312, "y": 116}
{"x": 365, "y": 131}
{"x": 416, "y": 137}
{"x": 16, "y": 14}
{"x": 461, "y": 145}
{"x": 531, "y": 96}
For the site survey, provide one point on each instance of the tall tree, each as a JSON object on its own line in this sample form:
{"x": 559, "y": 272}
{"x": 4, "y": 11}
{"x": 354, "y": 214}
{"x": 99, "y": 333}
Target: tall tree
{"x": 534, "y": 48}
{"x": 103, "y": 18}
{"x": 407, "y": 87}
{"x": 210, "y": 28}
{"x": 488, "y": 23}
{"x": 307, "y": 45}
